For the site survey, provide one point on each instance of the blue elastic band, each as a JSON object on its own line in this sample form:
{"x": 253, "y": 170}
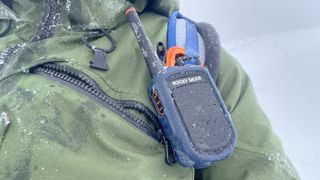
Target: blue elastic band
{"x": 192, "y": 45}
{"x": 172, "y": 29}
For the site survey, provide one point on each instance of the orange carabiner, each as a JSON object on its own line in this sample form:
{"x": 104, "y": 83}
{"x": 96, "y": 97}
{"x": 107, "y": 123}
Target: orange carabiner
{"x": 172, "y": 54}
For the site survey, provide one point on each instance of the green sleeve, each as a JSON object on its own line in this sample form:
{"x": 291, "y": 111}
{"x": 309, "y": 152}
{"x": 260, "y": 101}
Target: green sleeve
{"x": 258, "y": 154}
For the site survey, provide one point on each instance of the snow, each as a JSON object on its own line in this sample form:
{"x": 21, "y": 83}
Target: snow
{"x": 284, "y": 68}
{"x": 4, "y": 119}
{"x": 277, "y": 43}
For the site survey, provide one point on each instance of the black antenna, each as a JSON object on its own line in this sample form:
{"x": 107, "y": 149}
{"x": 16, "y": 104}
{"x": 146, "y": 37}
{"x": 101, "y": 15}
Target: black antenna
{"x": 150, "y": 55}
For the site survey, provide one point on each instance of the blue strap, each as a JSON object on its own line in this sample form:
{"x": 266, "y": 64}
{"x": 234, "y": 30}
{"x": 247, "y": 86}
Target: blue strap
{"x": 192, "y": 44}
{"x": 172, "y": 29}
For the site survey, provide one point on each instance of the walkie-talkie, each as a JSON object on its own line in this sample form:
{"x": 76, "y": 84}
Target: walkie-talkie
{"x": 190, "y": 109}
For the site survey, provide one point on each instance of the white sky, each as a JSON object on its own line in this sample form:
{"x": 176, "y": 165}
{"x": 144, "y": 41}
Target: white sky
{"x": 236, "y": 19}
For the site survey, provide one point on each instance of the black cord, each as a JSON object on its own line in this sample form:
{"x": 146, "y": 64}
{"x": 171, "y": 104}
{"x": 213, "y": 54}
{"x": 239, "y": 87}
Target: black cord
{"x": 100, "y": 55}
{"x": 97, "y": 34}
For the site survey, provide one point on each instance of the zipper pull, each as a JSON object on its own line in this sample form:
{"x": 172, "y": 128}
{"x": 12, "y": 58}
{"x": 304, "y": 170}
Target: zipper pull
{"x": 100, "y": 55}
{"x": 169, "y": 154}
{"x": 100, "y": 60}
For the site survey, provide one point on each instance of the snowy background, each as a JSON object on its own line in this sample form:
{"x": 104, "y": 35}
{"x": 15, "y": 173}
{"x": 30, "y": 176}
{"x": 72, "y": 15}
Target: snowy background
{"x": 278, "y": 44}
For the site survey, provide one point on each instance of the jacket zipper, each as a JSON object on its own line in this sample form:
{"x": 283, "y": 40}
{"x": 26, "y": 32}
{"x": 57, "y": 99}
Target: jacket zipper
{"x": 85, "y": 85}
{"x": 46, "y": 29}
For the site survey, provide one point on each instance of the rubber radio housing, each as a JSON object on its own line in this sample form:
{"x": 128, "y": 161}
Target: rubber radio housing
{"x": 193, "y": 115}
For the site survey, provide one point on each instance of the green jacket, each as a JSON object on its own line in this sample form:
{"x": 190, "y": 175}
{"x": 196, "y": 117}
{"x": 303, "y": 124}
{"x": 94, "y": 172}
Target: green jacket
{"x": 57, "y": 132}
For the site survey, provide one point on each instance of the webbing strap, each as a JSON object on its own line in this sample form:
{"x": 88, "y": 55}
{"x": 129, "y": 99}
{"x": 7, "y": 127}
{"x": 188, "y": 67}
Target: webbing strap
{"x": 172, "y": 29}
{"x": 192, "y": 43}
{"x": 210, "y": 38}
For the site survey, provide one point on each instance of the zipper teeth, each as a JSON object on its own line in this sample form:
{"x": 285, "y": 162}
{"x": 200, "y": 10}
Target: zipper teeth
{"x": 86, "y": 84}
{"x": 129, "y": 104}
{"x": 68, "y": 71}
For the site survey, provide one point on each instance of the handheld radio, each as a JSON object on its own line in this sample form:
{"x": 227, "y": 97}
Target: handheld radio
{"x": 190, "y": 109}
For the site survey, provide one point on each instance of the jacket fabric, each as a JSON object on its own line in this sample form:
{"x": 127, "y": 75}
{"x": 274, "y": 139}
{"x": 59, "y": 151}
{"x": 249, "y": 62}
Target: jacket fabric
{"x": 50, "y": 130}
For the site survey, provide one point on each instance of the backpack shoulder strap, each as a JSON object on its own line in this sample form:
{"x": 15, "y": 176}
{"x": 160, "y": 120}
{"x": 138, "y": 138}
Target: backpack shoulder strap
{"x": 212, "y": 48}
